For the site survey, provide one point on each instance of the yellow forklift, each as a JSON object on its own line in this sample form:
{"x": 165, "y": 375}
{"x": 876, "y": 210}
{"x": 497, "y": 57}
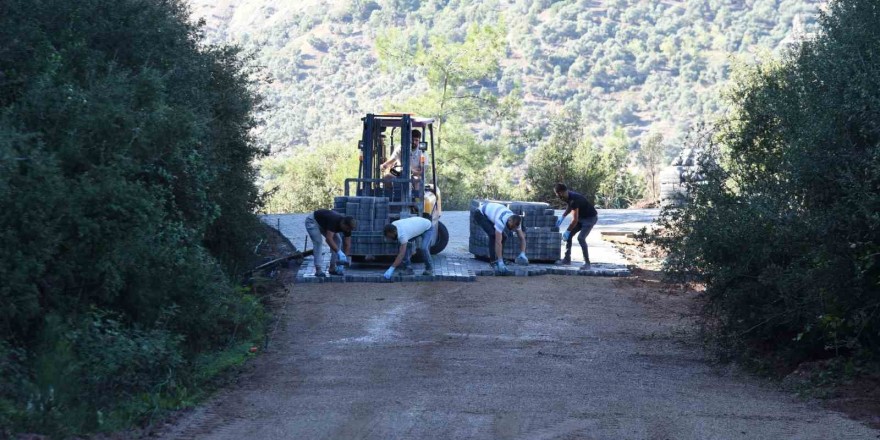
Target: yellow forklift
{"x": 376, "y": 198}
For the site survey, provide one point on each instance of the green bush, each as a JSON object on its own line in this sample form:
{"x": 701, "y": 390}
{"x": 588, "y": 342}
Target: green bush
{"x": 111, "y": 363}
{"x": 785, "y": 231}
{"x": 309, "y": 180}
{"x": 127, "y": 203}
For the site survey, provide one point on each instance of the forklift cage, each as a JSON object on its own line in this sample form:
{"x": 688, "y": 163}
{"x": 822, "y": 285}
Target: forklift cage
{"x": 402, "y": 192}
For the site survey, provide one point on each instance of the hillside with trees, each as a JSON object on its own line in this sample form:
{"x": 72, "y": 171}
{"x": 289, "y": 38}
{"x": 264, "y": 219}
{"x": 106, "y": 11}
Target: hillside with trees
{"x": 635, "y": 69}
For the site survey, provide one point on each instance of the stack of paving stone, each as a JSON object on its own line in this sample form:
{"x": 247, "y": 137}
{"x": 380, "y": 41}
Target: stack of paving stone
{"x": 371, "y": 214}
{"x": 543, "y": 240}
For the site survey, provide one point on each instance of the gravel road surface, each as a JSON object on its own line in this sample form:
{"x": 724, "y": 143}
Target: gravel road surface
{"x": 502, "y": 358}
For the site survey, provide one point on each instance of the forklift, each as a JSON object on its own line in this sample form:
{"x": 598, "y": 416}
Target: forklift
{"x": 376, "y": 199}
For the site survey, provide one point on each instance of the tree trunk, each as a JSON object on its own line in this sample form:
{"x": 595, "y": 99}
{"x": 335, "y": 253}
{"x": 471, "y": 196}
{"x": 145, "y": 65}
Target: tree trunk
{"x": 442, "y": 107}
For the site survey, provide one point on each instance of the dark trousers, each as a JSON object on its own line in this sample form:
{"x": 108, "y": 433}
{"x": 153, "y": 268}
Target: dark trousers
{"x": 423, "y": 243}
{"x": 486, "y": 225}
{"x": 584, "y": 226}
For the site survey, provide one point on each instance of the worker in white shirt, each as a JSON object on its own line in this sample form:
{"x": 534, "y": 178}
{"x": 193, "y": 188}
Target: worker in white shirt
{"x": 403, "y": 231}
{"x": 498, "y": 222}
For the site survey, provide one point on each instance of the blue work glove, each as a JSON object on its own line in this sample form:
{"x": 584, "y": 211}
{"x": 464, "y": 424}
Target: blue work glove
{"x": 559, "y": 222}
{"x": 566, "y": 235}
{"x": 389, "y": 273}
{"x": 341, "y": 256}
{"x": 501, "y": 268}
{"x": 522, "y": 259}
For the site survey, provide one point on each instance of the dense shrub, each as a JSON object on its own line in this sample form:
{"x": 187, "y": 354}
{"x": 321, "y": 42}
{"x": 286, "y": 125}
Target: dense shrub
{"x": 127, "y": 200}
{"x": 786, "y": 231}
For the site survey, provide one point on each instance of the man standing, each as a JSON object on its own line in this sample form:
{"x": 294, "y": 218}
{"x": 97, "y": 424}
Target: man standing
{"x": 583, "y": 219}
{"x": 498, "y": 222}
{"x": 327, "y": 226}
{"x": 404, "y": 230}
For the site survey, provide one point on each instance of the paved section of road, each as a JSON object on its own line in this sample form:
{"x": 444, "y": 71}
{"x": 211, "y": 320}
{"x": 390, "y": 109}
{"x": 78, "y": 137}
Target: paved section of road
{"x": 501, "y": 358}
{"x": 453, "y": 268}
{"x": 292, "y": 226}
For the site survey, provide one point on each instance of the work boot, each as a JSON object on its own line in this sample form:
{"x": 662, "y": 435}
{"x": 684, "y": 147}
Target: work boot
{"x": 586, "y": 266}
{"x": 320, "y": 274}
{"x": 429, "y": 272}
{"x": 406, "y": 271}
{"x": 564, "y": 262}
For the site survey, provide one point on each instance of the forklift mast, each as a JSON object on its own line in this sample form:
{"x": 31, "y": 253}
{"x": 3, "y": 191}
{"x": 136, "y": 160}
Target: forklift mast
{"x": 399, "y": 190}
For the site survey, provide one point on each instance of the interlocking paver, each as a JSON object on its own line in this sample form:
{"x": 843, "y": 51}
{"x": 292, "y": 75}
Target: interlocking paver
{"x": 451, "y": 268}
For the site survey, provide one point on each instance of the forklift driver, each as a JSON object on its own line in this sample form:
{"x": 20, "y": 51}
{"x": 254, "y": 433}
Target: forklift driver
{"x": 415, "y": 161}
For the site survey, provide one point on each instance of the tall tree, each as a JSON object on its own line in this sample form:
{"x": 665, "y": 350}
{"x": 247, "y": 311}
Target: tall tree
{"x": 566, "y": 156}
{"x": 650, "y": 157}
{"x": 453, "y": 70}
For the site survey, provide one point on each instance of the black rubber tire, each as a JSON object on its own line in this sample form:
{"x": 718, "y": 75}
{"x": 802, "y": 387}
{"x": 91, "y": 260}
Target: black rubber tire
{"x": 442, "y": 239}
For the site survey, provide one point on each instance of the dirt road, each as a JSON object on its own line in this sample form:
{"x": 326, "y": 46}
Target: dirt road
{"x": 502, "y": 358}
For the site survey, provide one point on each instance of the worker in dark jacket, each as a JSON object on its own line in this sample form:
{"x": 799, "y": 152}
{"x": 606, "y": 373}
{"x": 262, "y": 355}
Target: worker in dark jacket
{"x": 333, "y": 228}
{"x": 584, "y": 217}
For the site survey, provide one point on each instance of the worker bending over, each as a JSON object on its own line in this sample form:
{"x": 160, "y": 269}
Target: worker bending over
{"x": 403, "y": 231}
{"x": 498, "y": 222}
{"x": 327, "y": 226}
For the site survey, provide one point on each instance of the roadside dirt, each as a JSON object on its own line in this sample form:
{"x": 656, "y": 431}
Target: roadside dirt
{"x": 502, "y": 358}
{"x": 857, "y": 397}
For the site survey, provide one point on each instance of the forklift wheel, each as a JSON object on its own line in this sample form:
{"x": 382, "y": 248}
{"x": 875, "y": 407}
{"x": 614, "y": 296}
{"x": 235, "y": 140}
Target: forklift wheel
{"x": 442, "y": 239}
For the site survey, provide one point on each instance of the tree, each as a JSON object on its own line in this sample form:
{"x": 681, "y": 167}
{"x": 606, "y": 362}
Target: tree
{"x": 620, "y": 187}
{"x": 453, "y": 70}
{"x": 567, "y": 156}
{"x": 308, "y": 181}
{"x": 651, "y": 157}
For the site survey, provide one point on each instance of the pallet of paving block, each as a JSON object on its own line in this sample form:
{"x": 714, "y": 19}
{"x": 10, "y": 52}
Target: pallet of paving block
{"x": 539, "y": 221}
{"x": 339, "y": 203}
{"x": 540, "y": 248}
{"x": 528, "y": 208}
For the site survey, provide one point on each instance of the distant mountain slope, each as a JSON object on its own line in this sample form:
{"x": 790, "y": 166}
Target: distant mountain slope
{"x": 642, "y": 65}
